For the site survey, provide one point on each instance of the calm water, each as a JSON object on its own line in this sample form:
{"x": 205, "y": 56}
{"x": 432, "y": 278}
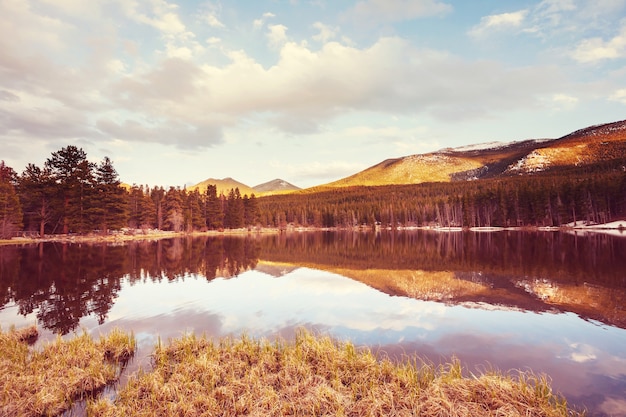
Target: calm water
{"x": 550, "y": 302}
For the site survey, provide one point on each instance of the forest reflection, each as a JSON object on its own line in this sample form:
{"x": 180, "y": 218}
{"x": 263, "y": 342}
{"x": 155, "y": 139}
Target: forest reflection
{"x": 535, "y": 271}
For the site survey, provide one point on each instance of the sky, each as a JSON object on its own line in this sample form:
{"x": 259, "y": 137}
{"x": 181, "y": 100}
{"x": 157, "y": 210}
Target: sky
{"x": 175, "y": 92}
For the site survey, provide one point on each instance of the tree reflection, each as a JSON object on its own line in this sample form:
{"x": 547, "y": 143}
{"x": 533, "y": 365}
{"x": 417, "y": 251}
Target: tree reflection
{"x": 66, "y": 282}
{"x": 63, "y": 283}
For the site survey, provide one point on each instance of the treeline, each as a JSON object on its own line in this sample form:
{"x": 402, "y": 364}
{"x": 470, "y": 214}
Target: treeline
{"x": 70, "y": 194}
{"x": 533, "y": 200}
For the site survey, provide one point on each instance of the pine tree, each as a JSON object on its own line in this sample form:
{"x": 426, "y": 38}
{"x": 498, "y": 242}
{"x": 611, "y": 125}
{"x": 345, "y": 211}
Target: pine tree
{"x": 36, "y": 189}
{"x": 110, "y": 203}
{"x": 214, "y": 215}
{"x": 251, "y": 210}
{"x": 173, "y": 209}
{"x": 194, "y": 218}
{"x": 234, "y": 213}
{"x": 10, "y": 208}
{"x": 142, "y": 209}
{"x": 73, "y": 176}
{"x": 158, "y": 195}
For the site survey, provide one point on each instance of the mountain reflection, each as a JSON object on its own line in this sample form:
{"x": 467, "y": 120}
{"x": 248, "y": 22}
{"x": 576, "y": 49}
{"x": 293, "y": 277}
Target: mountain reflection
{"x": 62, "y": 283}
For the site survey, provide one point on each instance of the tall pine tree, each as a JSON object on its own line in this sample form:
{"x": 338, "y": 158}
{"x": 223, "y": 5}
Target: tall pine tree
{"x": 37, "y": 190}
{"x": 10, "y": 208}
{"x": 109, "y": 206}
{"x": 73, "y": 176}
{"x": 214, "y": 214}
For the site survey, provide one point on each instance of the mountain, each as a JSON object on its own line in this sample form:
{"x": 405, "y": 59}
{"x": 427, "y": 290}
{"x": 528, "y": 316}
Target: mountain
{"x": 275, "y": 187}
{"x": 223, "y": 186}
{"x": 586, "y": 146}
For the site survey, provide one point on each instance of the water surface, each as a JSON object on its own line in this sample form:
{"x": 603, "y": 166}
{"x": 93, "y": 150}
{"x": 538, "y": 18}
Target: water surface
{"x": 550, "y": 302}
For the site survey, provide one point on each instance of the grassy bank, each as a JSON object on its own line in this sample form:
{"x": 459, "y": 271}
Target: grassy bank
{"x": 47, "y": 381}
{"x": 316, "y": 376}
{"x": 310, "y": 376}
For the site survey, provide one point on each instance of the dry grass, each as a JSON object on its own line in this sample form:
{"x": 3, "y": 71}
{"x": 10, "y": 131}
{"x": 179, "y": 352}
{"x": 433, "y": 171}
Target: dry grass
{"x": 316, "y": 376}
{"x": 46, "y": 382}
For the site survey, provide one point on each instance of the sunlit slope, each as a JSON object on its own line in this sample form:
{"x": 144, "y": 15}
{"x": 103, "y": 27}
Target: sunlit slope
{"x": 414, "y": 169}
{"x": 584, "y": 147}
{"x": 587, "y": 146}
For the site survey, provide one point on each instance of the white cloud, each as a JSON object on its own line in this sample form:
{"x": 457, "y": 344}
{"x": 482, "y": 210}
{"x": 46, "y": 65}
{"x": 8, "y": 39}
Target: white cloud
{"x": 320, "y": 171}
{"x": 619, "y": 96}
{"x": 259, "y": 23}
{"x": 553, "y": 9}
{"x": 497, "y": 22}
{"x": 326, "y": 33}
{"x": 161, "y": 15}
{"x": 382, "y": 11}
{"x": 213, "y": 40}
{"x": 307, "y": 87}
{"x": 277, "y": 35}
{"x": 177, "y": 96}
{"x": 596, "y": 49}
{"x": 213, "y": 21}
{"x": 563, "y": 101}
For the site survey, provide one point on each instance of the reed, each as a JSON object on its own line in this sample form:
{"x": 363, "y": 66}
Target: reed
{"x": 317, "y": 376}
{"x": 47, "y": 381}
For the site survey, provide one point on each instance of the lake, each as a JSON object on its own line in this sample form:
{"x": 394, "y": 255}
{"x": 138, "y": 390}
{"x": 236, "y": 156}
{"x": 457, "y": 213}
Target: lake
{"x": 551, "y": 302}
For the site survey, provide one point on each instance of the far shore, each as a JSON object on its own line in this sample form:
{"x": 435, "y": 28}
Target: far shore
{"x": 615, "y": 228}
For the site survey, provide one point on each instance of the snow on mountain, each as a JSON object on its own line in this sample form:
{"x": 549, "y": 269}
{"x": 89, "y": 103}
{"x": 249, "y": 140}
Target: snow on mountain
{"x": 276, "y": 185}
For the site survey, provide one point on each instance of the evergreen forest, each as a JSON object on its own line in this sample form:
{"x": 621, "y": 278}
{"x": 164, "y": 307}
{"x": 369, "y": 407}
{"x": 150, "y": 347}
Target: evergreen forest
{"x": 70, "y": 194}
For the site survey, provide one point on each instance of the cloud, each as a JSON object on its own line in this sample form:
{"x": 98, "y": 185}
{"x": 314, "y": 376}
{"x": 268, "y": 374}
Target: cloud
{"x": 8, "y": 96}
{"x": 498, "y": 22}
{"x": 213, "y": 21}
{"x": 326, "y": 33}
{"x": 384, "y": 11}
{"x": 277, "y": 35}
{"x": 259, "y": 23}
{"x": 161, "y": 15}
{"x": 619, "y": 96}
{"x": 564, "y": 101}
{"x": 596, "y": 49}
{"x": 169, "y": 132}
{"x": 319, "y": 171}
{"x": 552, "y": 10}
{"x": 174, "y": 95}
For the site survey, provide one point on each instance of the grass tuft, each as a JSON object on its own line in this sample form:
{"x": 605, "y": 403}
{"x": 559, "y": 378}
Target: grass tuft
{"x": 46, "y": 381}
{"x": 317, "y": 376}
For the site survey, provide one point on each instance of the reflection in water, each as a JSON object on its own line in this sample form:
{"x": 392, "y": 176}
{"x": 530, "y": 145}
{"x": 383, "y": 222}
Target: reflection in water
{"x": 65, "y": 282}
{"x": 473, "y": 295}
{"x": 529, "y": 271}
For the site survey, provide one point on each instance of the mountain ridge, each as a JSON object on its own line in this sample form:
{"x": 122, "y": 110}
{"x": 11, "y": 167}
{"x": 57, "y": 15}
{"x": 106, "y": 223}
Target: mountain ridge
{"x": 584, "y": 146}
{"x": 581, "y": 147}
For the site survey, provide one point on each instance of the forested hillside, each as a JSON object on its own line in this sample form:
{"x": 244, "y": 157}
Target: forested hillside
{"x": 596, "y": 194}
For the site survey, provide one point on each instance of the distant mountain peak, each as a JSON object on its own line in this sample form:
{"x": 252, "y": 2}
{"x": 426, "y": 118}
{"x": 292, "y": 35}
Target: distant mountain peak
{"x": 275, "y": 186}
{"x": 223, "y": 186}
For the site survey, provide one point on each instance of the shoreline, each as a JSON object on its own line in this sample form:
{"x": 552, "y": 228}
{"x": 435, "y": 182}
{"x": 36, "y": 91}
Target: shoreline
{"x": 617, "y": 226}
